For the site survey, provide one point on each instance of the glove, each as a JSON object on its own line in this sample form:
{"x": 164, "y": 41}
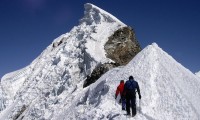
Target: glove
{"x": 140, "y": 97}
{"x": 115, "y": 96}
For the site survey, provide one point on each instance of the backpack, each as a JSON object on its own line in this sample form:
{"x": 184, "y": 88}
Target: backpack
{"x": 131, "y": 87}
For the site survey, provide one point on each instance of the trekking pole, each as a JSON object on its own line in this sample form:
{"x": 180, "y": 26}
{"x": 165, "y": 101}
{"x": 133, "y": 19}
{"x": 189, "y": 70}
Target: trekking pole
{"x": 140, "y": 106}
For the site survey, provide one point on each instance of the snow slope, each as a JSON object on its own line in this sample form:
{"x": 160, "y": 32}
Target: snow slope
{"x": 198, "y": 74}
{"x": 60, "y": 68}
{"x": 51, "y": 87}
{"x": 169, "y": 91}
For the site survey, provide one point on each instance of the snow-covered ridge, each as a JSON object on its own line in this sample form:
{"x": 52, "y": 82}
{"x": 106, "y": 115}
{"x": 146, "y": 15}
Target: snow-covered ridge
{"x": 169, "y": 91}
{"x": 198, "y": 74}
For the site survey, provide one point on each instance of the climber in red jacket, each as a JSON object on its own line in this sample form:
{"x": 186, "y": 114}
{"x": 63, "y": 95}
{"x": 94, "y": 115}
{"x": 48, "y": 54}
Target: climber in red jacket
{"x": 120, "y": 90}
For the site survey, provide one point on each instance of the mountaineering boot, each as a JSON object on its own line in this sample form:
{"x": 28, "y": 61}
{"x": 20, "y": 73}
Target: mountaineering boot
{"x": 133, "y": 111}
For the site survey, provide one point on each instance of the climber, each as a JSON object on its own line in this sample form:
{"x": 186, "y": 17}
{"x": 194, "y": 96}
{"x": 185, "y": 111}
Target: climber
{"x": 130, "y": 88}
{"x": 120, "y": 90}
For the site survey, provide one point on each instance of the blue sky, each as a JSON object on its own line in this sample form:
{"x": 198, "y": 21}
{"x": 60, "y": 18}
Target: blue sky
{"x": 27, "y": 27}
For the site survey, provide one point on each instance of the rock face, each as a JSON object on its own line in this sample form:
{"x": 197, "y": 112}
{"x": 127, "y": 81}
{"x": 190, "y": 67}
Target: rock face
{"x": 98, "y": 72}
{"x": 121, "y": 47}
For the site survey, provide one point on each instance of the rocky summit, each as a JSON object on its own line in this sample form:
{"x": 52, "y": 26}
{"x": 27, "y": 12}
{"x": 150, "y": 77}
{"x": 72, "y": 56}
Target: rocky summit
{"x": 121, "y": 47}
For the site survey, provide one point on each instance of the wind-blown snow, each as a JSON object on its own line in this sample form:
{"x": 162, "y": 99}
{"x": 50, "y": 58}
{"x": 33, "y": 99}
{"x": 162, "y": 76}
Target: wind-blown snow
{"x": 51, "y": 87}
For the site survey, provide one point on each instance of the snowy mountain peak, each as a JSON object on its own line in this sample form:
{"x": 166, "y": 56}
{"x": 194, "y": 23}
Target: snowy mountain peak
{"x": 154, "y": 44}
{"x": 94, "y": 14}
{"x": 51, "y": 87}
{"x": 165, "y": 84}
{"x": 60, "y": 70}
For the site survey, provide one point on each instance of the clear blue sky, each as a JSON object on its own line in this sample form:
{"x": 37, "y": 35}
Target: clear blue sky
{"x": 27, "y": 27}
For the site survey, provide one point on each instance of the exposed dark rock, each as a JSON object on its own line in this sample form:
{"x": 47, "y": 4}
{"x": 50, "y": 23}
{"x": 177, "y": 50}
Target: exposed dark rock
{"x": 55, "y": 44}
{"x": 97, "y": 72}
{"x": 19, "y": 113}
{"x": 121, "y": 47}
{"x": 60, "y": 90}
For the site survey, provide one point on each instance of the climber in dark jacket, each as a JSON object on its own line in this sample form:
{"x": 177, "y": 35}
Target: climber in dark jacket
{"x": 130, "y": 88}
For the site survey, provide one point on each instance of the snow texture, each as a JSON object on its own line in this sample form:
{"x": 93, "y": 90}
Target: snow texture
{"x": 169, "y": 91}
{"x": 51, "y": 87}
{"x": 198, "y": 74}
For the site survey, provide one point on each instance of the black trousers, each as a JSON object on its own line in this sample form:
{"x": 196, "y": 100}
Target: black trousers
{"x": 131, "y": 103}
